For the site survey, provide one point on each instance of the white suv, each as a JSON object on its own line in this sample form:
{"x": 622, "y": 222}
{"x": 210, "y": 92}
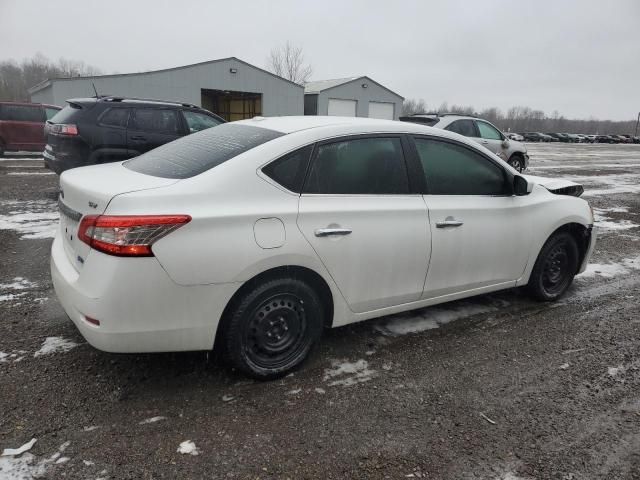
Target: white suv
{"x": 481, "y": 131}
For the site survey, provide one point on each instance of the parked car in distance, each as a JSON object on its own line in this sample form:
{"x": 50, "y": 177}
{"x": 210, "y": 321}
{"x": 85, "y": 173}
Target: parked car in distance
{"x": 538, "y": 137}
{"x": 623, "y": 139}
{"x": 607, "y": 139}
{"x": 479, "y": 130}
{"x": 591, "y": 138}
{"x": 255, "y": 235}
{"x": 22, "y": 125}
{"x": 573, "y": 138}
{"x": 559, "y": 137}
{"x": 515, "y": 136}
{"x": 90, "y": 131}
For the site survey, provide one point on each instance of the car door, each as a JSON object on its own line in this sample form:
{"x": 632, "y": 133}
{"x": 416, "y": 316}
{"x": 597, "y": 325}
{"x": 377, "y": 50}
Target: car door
{"x": 491, "y": 138}
{"x": 365, "y": 220}
{"x": 151, "y": 127}
{"x": 479, "y": 230}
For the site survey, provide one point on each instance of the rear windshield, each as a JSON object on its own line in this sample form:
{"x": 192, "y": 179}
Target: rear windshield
{"x": 201, "y": 151}
{"x": 428, "y": 121}
{"x": 66, "y": 114}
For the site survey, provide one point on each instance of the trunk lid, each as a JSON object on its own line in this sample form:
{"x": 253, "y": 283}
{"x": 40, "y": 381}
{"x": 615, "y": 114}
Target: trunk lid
{"x": 88, "y": 191}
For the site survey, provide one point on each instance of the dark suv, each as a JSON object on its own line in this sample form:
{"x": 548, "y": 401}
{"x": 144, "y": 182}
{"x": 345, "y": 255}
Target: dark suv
{"x": 109, "y": 129}
{"x": 22, "y": 125}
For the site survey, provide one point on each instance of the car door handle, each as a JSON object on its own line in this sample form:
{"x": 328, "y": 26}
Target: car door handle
{"x": 138, "y": 137}
{"x": 449, "y": 223}
{"x": 484, "y": 142}
{"x": 326, "y": 232}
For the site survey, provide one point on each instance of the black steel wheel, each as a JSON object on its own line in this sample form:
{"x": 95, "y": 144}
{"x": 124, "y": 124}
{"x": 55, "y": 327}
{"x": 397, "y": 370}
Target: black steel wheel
{"x": 555, "y": 267}
{"x": 517, "y": 162}
{"x": 273, "y": 328}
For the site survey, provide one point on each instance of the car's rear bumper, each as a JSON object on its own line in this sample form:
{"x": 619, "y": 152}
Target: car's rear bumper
{"x": 138, "y": 306}
{"x": 60, "y": 163}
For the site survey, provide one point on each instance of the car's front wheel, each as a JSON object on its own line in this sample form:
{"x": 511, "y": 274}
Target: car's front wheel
{"x": 517, "y": 162}
{"x": 555, "y": 267}
{"x": 272, "y": 328}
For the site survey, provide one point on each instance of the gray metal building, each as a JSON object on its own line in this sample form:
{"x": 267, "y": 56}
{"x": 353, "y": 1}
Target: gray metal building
{"x": 229, "y": 87}
{"x": 351, "y": 97}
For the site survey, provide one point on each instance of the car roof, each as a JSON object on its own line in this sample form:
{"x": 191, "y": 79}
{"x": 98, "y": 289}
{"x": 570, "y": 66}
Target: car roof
{"x": 145, "y": 101}
{"x": 291, "y": 124}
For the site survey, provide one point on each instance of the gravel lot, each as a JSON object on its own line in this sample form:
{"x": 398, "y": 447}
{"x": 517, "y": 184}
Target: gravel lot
{"x": 496, "y": 387}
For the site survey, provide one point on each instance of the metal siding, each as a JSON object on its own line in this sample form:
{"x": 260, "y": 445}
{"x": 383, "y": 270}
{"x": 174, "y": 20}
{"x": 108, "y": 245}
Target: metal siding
{"x": 354, "y": 91}
{"x": 279, "y": 97}
{"x": 44, "y": 96}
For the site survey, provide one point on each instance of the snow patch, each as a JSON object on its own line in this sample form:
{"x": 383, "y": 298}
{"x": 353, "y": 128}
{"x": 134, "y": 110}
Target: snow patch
{"x": 350, "y": 373}
{"x": 55, "y": 345}
{"x": 91, "y": 428}
{"x": 32, "y": 220}
{"x": 10, "y": 296}
{"x": 188, "y": 448}
{"x": 608, "y": 224}
{"x": 610, "y": 270}
{"x": 9, "y": 452}
{"x": 18, "y": 283}
{"x": 294, "y": 392}
{"x": 30, "y": 173}
{"x": 14, "y": 356}
{"x": 152, "y": 420}
{"x": 27, "y": 466}
{"x": 614, "y": 371}
{"x": 432, "y": 317}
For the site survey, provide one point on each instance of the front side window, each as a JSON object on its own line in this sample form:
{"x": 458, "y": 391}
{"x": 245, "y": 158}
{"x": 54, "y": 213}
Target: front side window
{"x": 289, "y": 170}
{"x": 452, "y": 169}
{"x": 155, "y": 120}
{"x": 199, "y": 121}
{"x": 366, "y": 166}
{"x": 488, "y": 131}
{"x": 115, "y": 117}
{"x": 463, "y": 127}
{"x": 22, "y": 113}
{"x": 193, "y": 154}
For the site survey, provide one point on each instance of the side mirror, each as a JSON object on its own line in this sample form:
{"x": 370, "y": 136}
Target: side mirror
{"x": 521, "y": 186}
{"x": 505, "y": 143}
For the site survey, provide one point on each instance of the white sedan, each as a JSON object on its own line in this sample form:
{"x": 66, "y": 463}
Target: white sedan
{"x": 254, "y": 235}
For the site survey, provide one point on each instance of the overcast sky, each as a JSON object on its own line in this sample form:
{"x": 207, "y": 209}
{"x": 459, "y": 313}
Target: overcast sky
{"x": 579, "y": 57}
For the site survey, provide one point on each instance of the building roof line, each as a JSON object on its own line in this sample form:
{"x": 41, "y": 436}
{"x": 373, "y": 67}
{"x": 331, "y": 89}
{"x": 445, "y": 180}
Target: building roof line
{"x": 45, "y": 83}
{"x": 346, "y": 81}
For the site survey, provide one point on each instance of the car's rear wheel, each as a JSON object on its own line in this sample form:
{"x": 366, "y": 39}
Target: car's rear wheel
{"x": 517, "y": 162}
{"x": 272, "y": 328}
{"x": 555, "y": 267}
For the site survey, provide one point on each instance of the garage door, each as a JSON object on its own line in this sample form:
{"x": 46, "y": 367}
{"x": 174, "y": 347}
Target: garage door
{"x": 342, "y": 108}
{"x": 382, "y": 110}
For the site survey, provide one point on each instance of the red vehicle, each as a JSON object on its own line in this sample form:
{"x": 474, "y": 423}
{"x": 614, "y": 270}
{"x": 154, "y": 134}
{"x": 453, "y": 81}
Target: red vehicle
{"x": 22, "y": 125}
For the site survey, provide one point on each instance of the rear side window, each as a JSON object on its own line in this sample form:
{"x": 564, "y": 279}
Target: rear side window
{"x": 463, "y": 127}
{"x": 452, "y": 169}
{"x": 367, "y": 166}
{"x": 51, "y": 112}
{"x": 22, "y": 113}
{"x": 194, "y": 154}
{"x": 155, "y": 120}
{"x": 115, "y": 117}
{"x": 199, "y": 121}
{"x": 289, "y": 170}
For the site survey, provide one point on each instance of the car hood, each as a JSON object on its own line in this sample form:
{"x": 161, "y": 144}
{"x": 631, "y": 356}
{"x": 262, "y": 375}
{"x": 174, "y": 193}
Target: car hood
{"x": 558, "y": 186}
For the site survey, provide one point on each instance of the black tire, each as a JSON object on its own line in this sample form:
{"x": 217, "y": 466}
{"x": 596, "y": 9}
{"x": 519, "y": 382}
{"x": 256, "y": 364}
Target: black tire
{"x": 555, "y": 268}
{"x": 517, "y": 162}
{"x": 272, "y": 328}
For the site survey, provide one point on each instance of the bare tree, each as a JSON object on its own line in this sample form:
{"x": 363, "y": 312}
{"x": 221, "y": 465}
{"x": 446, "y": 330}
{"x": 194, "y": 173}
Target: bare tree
{"x": 16, "y": 79}
{"x": 287, "y": 61}
{"x": 411, "y": 106}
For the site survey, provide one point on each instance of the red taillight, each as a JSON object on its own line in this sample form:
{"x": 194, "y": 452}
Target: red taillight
{"x": 64, "y": 129}
{"x": 127, "y": 236}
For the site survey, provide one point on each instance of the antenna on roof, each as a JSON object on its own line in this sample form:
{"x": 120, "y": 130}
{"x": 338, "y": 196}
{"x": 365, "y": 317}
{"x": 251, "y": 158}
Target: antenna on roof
{"x": 95, "y": 89}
